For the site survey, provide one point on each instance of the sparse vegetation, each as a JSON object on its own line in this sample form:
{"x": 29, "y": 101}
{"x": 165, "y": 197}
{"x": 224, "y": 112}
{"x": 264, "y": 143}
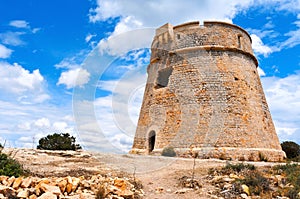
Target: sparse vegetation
{"x": 292, "y": 173}
{"x": 62, "y": 141}
{"x": 291, "y": 149}
{"x": 169, "y": 152}
{"x": 10, "y": 167}
{"x": 101, "y": 193}
{"x": 230, "y": 168}
{"x": 257, "y": 183}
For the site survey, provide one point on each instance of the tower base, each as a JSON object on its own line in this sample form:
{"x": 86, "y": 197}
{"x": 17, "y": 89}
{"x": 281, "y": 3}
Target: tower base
{"x": 223, "y": 153}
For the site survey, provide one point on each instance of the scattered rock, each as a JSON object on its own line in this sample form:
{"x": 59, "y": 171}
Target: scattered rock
{"x": 23, "y": 194}
{"x": 246, "y": 189}
{"x": 244, "y": 196}
{"x": 26, "y": 182}
{"x": 70, "y": 187}
{"x": 17, "y": 182}
{"x": 159, "y": 190}
{"x": 48, "y": 195}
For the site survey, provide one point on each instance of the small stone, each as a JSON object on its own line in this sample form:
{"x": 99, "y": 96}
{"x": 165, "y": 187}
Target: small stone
{"x": 226, "y": 179}
{"x": 10, "y": 181}
{"x": 17, "y": 182}
{"x": 75, "y": 183}
{"x": 234, "y": 176}
{"x": 246, "y": 189}
{"x": 169, "y": 190}
{"x": 47, "y": 195}
{"x": 33, "y": 197}
{"x": 5, "y": 190}
{"x": 51, "y": 188}
{"x": 26, "y": 182}
{"x": 227, "y": 186}
{"x": 23, "y": 194}
{"x": 126, "y": 194}
{"x": 159, "y": 190}
{"x": 3, "y": 179}
{"x": 244, "y": 196}
{"x": 62, "y": 185}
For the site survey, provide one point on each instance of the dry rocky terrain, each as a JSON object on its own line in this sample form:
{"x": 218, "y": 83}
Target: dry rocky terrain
{"x": 81, "y": 174}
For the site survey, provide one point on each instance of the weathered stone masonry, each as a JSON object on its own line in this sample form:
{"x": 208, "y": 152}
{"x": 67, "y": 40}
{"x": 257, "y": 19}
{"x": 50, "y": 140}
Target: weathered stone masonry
{"x": 204, "y": 95}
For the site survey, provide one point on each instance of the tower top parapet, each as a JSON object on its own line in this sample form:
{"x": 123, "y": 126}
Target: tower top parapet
{"x": 212, "y": 34}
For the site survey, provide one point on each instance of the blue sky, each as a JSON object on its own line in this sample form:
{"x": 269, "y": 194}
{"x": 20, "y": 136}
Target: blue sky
{"x": 52, "y": 80}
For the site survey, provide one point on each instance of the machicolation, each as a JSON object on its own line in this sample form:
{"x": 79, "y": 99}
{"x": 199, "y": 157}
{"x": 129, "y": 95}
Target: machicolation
{"x": 203, "y": 95}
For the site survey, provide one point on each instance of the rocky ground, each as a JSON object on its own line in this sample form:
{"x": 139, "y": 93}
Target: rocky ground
{"x": 132, "y": 176}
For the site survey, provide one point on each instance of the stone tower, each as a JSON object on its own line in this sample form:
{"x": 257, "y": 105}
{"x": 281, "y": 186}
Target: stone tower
{"x": 204, "y": 95}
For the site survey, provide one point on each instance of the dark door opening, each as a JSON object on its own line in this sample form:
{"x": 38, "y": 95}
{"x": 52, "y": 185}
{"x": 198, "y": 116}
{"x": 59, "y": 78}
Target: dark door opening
{"x": 151, "y": 140}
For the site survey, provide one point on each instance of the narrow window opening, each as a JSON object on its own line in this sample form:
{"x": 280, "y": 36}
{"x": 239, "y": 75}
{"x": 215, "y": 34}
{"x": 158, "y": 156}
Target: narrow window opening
{"x": 163, "y": 77}
{"x": 178, "y": 36}
{"x": 239, "y": 41}
{"x": 151, "y": 139}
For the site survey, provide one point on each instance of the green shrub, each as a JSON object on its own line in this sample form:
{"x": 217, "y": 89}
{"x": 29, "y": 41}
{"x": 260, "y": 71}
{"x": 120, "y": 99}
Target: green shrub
{"x": 256, "y": 182}
{"x": 56, "y": 141}
{"x": 291, "y": 149}
{"x": 10, "y": 167}
{"x": 169, "y": 152}
{"x": 237, "y": 167}
{"x": 292, "y": 173}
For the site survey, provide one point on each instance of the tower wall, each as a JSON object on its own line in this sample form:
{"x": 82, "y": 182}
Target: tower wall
{"x": 204, "y": 95}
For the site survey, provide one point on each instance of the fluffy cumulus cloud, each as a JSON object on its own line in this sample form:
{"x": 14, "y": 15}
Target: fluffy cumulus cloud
{"x": 4, "y": 51}
{"x": 259, "y": 47}
{"x": 15, "y": 79}
{"x": 138, "y": 14}
{"x": 73, "y": 78}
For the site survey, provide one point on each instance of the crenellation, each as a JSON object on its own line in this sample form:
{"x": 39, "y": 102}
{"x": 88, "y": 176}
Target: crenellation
{"x": 203, "y": 90}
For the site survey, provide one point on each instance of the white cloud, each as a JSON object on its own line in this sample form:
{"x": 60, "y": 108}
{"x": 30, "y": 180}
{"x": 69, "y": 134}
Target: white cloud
{"x": 161, "y": 11}
{"x": 261, "y": 72}
{"x": 42, "y": 123}
{"x": 73, "y": 78}
{"x": 19, "y": 24}
{"x": 259, "y": 47}
{"x": 89, "y": 37}
{"x": 283, "y": 96}
{"x": 4, "y": 51}
{"x": 15, "y": 79}
{"x": 293, "y": 39}
{"x": 133, "y": 16}
{"x": 72, "y": 62}
{"x": 12, "y": 38}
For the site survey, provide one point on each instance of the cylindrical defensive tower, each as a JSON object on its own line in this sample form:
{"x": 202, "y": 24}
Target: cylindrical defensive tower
{"x": 204, "y": 95}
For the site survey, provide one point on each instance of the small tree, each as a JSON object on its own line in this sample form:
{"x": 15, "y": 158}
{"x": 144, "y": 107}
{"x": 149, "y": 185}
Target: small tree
{"x": 62, "y": 141}
{"x": 291, "y": 149}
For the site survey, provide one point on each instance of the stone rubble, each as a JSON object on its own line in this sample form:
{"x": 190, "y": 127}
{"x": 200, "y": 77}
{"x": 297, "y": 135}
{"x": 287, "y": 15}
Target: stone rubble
{"x": 68, "y": 187}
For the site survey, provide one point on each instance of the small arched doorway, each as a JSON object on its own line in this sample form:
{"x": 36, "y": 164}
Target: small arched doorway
{"x": 151, "y": 140}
